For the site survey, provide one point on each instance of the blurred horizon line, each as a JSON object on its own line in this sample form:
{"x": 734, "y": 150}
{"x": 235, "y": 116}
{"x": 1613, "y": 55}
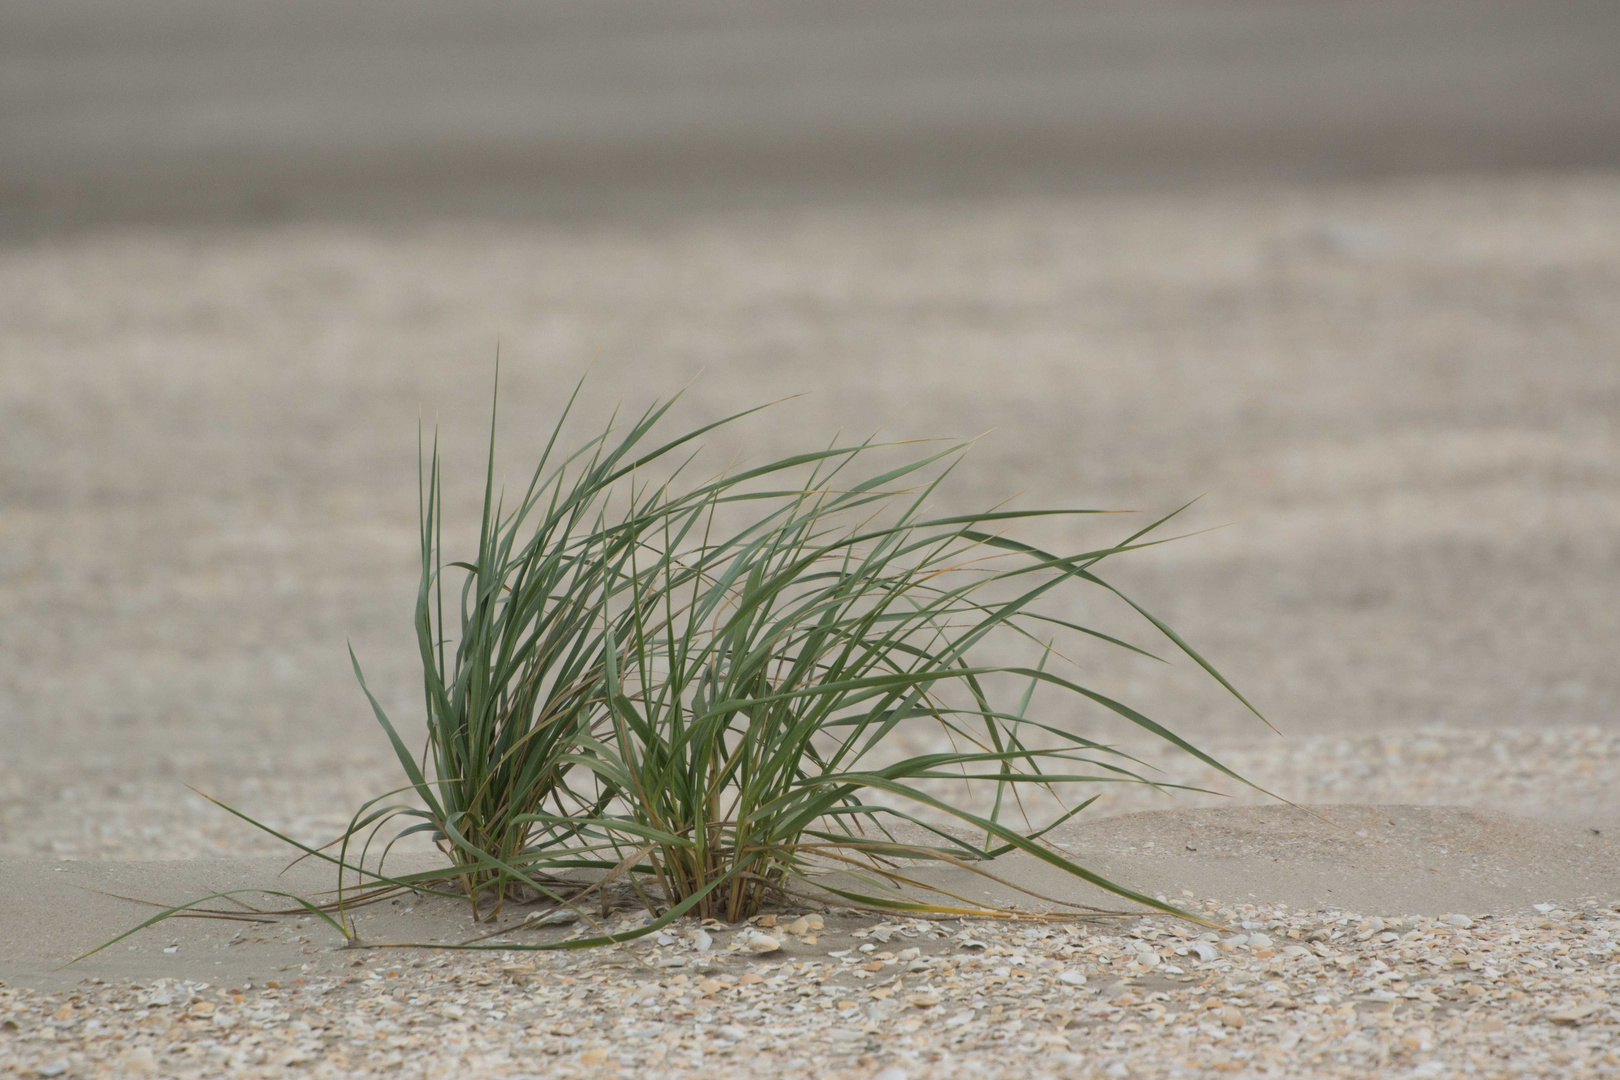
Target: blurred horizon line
{"x": 187, "y": 111}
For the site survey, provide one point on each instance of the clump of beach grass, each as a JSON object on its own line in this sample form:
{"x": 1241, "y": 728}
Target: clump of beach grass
{"x": 697, "y": 689}
{"x": 705, "y": 690}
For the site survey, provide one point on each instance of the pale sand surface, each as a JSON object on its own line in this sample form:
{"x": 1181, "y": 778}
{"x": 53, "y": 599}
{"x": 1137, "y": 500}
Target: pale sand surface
{"x": 1403, "y": 397}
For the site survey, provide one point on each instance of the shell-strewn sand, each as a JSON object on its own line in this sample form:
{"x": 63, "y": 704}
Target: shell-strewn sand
{"x": 1279, "y": 993}
{"x": 1319, "y": 985}
{"x": 1404, "y": 398}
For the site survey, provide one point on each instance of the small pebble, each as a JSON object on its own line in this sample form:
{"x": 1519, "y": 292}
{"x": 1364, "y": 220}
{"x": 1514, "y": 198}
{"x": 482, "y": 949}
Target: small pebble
{"x": 760, "y": 944}
{"x": 1575, "y": 1013}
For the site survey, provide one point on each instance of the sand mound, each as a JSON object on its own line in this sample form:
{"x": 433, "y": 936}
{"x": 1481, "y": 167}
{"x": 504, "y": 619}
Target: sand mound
{"x": 1395, "y": 860}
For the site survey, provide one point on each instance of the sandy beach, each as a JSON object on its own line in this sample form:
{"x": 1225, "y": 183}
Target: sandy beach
{"x": 1399, "y": 398}
{"x": 1347, "y": 275}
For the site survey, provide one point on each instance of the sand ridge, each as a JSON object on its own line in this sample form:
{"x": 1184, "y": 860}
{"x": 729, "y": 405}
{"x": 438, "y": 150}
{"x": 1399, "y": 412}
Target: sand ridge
{"x": 1391, "y": 861}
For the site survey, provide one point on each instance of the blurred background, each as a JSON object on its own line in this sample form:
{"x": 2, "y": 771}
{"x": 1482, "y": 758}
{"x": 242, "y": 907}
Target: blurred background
{"x": 171, "y": 111}
{"x": 1348, "y": 268}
